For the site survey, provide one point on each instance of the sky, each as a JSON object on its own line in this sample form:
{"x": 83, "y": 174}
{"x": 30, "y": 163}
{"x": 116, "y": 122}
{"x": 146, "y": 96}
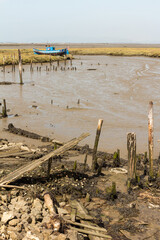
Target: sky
{"x": 80, "y": 21}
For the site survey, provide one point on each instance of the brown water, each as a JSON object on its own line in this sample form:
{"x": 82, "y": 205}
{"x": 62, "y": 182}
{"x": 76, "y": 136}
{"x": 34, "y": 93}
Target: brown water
{"x": 118, "y": 91}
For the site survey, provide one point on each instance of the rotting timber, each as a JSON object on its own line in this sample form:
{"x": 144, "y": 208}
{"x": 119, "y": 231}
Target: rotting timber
{"x": 91, "y": 205}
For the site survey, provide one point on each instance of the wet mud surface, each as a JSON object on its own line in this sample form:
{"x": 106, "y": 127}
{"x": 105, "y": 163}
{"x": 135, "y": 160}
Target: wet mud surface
{"x": 71, "y": 101}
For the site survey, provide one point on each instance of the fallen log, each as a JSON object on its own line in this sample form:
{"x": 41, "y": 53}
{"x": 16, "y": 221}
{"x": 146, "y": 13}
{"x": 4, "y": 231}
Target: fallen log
{"x": 30, "y": 166}
{"x": 27, "y": 134}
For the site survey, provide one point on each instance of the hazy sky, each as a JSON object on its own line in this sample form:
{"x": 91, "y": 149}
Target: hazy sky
{"x": 105, "y": 21}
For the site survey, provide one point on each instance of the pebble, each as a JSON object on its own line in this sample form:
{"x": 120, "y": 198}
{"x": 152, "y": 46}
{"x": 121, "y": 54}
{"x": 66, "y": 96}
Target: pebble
{"x": 7, "y": 216}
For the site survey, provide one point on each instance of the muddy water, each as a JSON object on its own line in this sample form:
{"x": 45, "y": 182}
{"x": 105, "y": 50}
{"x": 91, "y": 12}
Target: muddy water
{"x": 118, "y": 91}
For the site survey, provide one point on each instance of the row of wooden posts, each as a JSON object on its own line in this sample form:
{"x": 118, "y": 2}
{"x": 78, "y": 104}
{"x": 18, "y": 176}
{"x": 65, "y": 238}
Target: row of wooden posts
{"x": 131, "y": 147}
{"x": 131, "y": 144}
{"x": 31, "y": 67}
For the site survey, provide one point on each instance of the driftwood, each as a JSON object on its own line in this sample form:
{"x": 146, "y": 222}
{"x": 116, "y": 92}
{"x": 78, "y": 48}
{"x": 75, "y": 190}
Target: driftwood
{"x": 11, "y": 186}
{"x": 92, "y": 233}
{"x": 86, "y": 226}
{"x": 83, "y": 215}
{"x": 55, "y": 220}
{"x": 15, "y": 154}
{"x": 19, "y": 131}
{"x": 36, "y": 163}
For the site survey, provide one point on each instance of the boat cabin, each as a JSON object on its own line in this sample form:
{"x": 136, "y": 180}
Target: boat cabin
{"x": 50, "y": 48}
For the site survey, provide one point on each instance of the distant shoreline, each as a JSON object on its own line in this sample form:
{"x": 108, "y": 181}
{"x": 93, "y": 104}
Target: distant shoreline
{"x": 78, "y": 45}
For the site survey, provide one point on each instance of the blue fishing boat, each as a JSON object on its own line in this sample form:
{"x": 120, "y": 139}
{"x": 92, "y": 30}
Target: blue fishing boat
{"x": 51, "y": 51}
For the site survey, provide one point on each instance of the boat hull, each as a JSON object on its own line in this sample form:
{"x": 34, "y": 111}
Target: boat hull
{"x": 49, "y": 52}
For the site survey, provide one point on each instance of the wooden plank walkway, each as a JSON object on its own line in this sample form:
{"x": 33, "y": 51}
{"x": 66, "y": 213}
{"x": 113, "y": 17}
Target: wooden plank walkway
{"x": 30, "y": 166}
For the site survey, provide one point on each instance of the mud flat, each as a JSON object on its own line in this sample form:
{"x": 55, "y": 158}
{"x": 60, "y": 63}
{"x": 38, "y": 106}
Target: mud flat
{"x": 59, "y": 103}
{"x": 118, "y": 91}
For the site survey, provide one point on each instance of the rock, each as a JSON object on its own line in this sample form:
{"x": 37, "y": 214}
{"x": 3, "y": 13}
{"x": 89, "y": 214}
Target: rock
{"x": 60, "y": 237}
{"x": 13, "y": 222}
{"x": 62, "y": 211}
{"x": 19, "y": 227}
{"x": 13, "y": 235}
{"x": 62, "y": 204}
{"x": 29, "y": 236}
{"x": 37, "y": 204}
{"x": 7, "y": 216}
{"x": 3, "y": 229}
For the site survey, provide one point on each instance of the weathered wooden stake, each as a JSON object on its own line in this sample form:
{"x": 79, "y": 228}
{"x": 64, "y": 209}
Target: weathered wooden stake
{"x": 150, "y": 138}
{"x": 31, "y": 68}
{"x": 58, "y": 63}
{"x": 49, "y": 167}
{"x": 4, "y": 109}
{"x": 94, "y": 157}
{"x": 3, "y": 64}
{"x": 131, "y": 147}
{"x": 20, "y": 66}
{"x": 85, "y": 161}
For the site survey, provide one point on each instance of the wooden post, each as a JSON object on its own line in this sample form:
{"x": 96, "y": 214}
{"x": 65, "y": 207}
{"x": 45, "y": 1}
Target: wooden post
{"x": 3, "y": 64}
{"x": 14, "y": 62}
{"x": 31, "y": 69}
{"x": 85, "y": 161}
{"x": 58, "y": 63}
{"x": 50, "y": 61}
{"x": 4, "y": 109}
{"x": 20, "y": 66}
{"x": 94, "y": 157}
{"x": 71, "y": 62}
{"x": 131, "y": 147}
{"x": 150, "y": 138}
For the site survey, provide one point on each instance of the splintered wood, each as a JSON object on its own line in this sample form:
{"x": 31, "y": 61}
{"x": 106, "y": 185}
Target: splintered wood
{"x": 20, "y": 171}
{"x": 150, "y": 138}
{"x": 131, "y": 146}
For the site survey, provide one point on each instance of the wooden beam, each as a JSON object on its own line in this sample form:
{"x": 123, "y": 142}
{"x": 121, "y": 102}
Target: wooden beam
{"x": 29, "y": 167}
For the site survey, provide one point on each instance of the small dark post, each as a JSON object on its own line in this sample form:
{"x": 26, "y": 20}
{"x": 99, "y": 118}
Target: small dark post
{"x": 131, "y": 147}
{"x": 150, "y": 138}
{"x": 20, "y": 66}
{"x": 65, "y": 62}
{"x": 49, "y": 167}
{"x": 58, "y": 63}
{"x": 85, "y": 161}
{"x": 4, "y": 109}
{"x": 3, "y": 64}
{"x": 31, "y": 68}
{"x": 71, "y": 62}
{"x": 13, "y": 64}
{"x": 94, "y": 158}
{"x": 50, "y": 61}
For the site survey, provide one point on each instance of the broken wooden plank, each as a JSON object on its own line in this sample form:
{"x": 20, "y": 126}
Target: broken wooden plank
{"x": 12, "y": 186}
{"x": 20, "y": 171}
{"x": 86, "y": 226}
{"x": 82, "y": 213}
{"x": 16, "y": 154}
{"x": 92, "y": 233}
